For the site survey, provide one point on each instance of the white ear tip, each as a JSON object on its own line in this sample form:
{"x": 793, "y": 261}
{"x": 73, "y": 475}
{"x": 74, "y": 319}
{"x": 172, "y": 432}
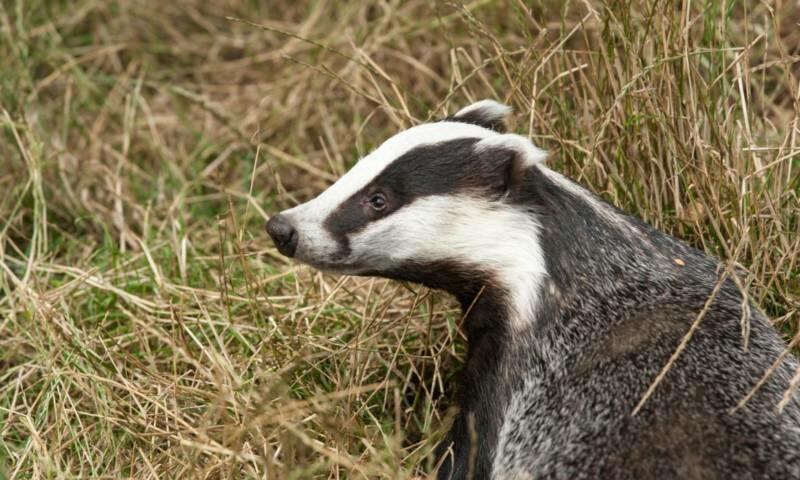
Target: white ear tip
{"x": 530, "y": 153}
{"x": 488, "y": 107}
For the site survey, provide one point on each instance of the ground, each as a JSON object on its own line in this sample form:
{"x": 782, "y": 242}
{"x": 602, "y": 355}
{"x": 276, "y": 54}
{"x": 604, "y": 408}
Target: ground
{"x": 149, "y": 329}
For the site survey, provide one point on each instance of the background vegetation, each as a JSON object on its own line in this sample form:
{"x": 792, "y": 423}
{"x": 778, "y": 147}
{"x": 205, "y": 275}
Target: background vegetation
{"x": 148, "y": 328}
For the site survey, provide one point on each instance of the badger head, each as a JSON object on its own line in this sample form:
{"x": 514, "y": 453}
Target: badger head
{"x": 433, "y": 204}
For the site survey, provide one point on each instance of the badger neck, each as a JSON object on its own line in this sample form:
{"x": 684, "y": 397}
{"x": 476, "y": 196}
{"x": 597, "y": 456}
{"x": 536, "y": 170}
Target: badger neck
{"x": 594, "y": 264}
{"x": 567, "y": 266}
{"x": 496, "y": 269}
{"x": 561, "y": 255}
{"x": 601, "y": 263}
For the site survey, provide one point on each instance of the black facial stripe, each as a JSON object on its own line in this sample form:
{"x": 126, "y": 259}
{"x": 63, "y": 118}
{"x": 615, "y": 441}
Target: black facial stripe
{"x": 446, "y": 167}
{"x": 450, "y": 168}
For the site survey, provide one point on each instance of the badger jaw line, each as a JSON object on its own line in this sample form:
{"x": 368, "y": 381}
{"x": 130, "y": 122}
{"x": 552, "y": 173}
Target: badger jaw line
{"x": 490, "y": 240}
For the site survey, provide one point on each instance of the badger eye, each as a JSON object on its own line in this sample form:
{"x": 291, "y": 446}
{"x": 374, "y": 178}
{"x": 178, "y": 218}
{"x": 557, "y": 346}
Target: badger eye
{"x": 377, "y": 202}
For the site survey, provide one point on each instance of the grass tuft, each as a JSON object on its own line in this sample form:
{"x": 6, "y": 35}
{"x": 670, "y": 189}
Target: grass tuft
{"x": 148, "y": 329}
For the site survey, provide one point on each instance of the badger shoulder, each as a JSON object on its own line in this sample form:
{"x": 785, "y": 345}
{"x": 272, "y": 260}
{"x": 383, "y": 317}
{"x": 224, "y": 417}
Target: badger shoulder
{"x": 694, "y": 424}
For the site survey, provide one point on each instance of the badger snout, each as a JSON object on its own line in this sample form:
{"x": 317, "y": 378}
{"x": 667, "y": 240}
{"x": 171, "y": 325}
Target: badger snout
{"x": 283, "y": 234}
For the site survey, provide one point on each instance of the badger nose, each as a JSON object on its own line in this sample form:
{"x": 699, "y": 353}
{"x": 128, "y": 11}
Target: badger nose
{"x": 283, "y": 234}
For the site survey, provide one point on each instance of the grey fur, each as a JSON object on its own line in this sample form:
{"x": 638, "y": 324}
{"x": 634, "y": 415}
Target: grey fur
{"x": 629, "y": 296}
{"x": 555, "y": 399}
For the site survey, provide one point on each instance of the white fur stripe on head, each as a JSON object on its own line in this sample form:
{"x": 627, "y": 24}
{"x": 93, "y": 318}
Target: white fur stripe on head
{"x": 373, "y": 164}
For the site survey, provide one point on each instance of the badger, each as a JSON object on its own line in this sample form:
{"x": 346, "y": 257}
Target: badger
{"x": 572, "y": 310}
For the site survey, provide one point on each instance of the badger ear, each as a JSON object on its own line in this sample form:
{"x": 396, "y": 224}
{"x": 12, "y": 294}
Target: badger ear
{"x": 486, "y": 113}
{"x": 506, "y": 158}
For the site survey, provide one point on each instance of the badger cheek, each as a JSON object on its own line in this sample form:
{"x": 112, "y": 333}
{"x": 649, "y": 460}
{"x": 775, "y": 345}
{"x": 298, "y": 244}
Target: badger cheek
{"x": 375, "y": 248}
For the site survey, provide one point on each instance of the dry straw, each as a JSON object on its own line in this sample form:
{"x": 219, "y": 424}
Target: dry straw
{"x": 148, "y": 329}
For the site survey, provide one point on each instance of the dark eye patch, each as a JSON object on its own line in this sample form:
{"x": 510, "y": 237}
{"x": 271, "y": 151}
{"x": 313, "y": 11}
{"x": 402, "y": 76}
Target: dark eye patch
{"x": 443, "y": 168}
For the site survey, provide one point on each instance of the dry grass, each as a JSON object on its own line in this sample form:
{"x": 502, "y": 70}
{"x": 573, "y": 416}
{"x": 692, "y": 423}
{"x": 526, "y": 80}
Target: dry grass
{"x": 148, "y": 329}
